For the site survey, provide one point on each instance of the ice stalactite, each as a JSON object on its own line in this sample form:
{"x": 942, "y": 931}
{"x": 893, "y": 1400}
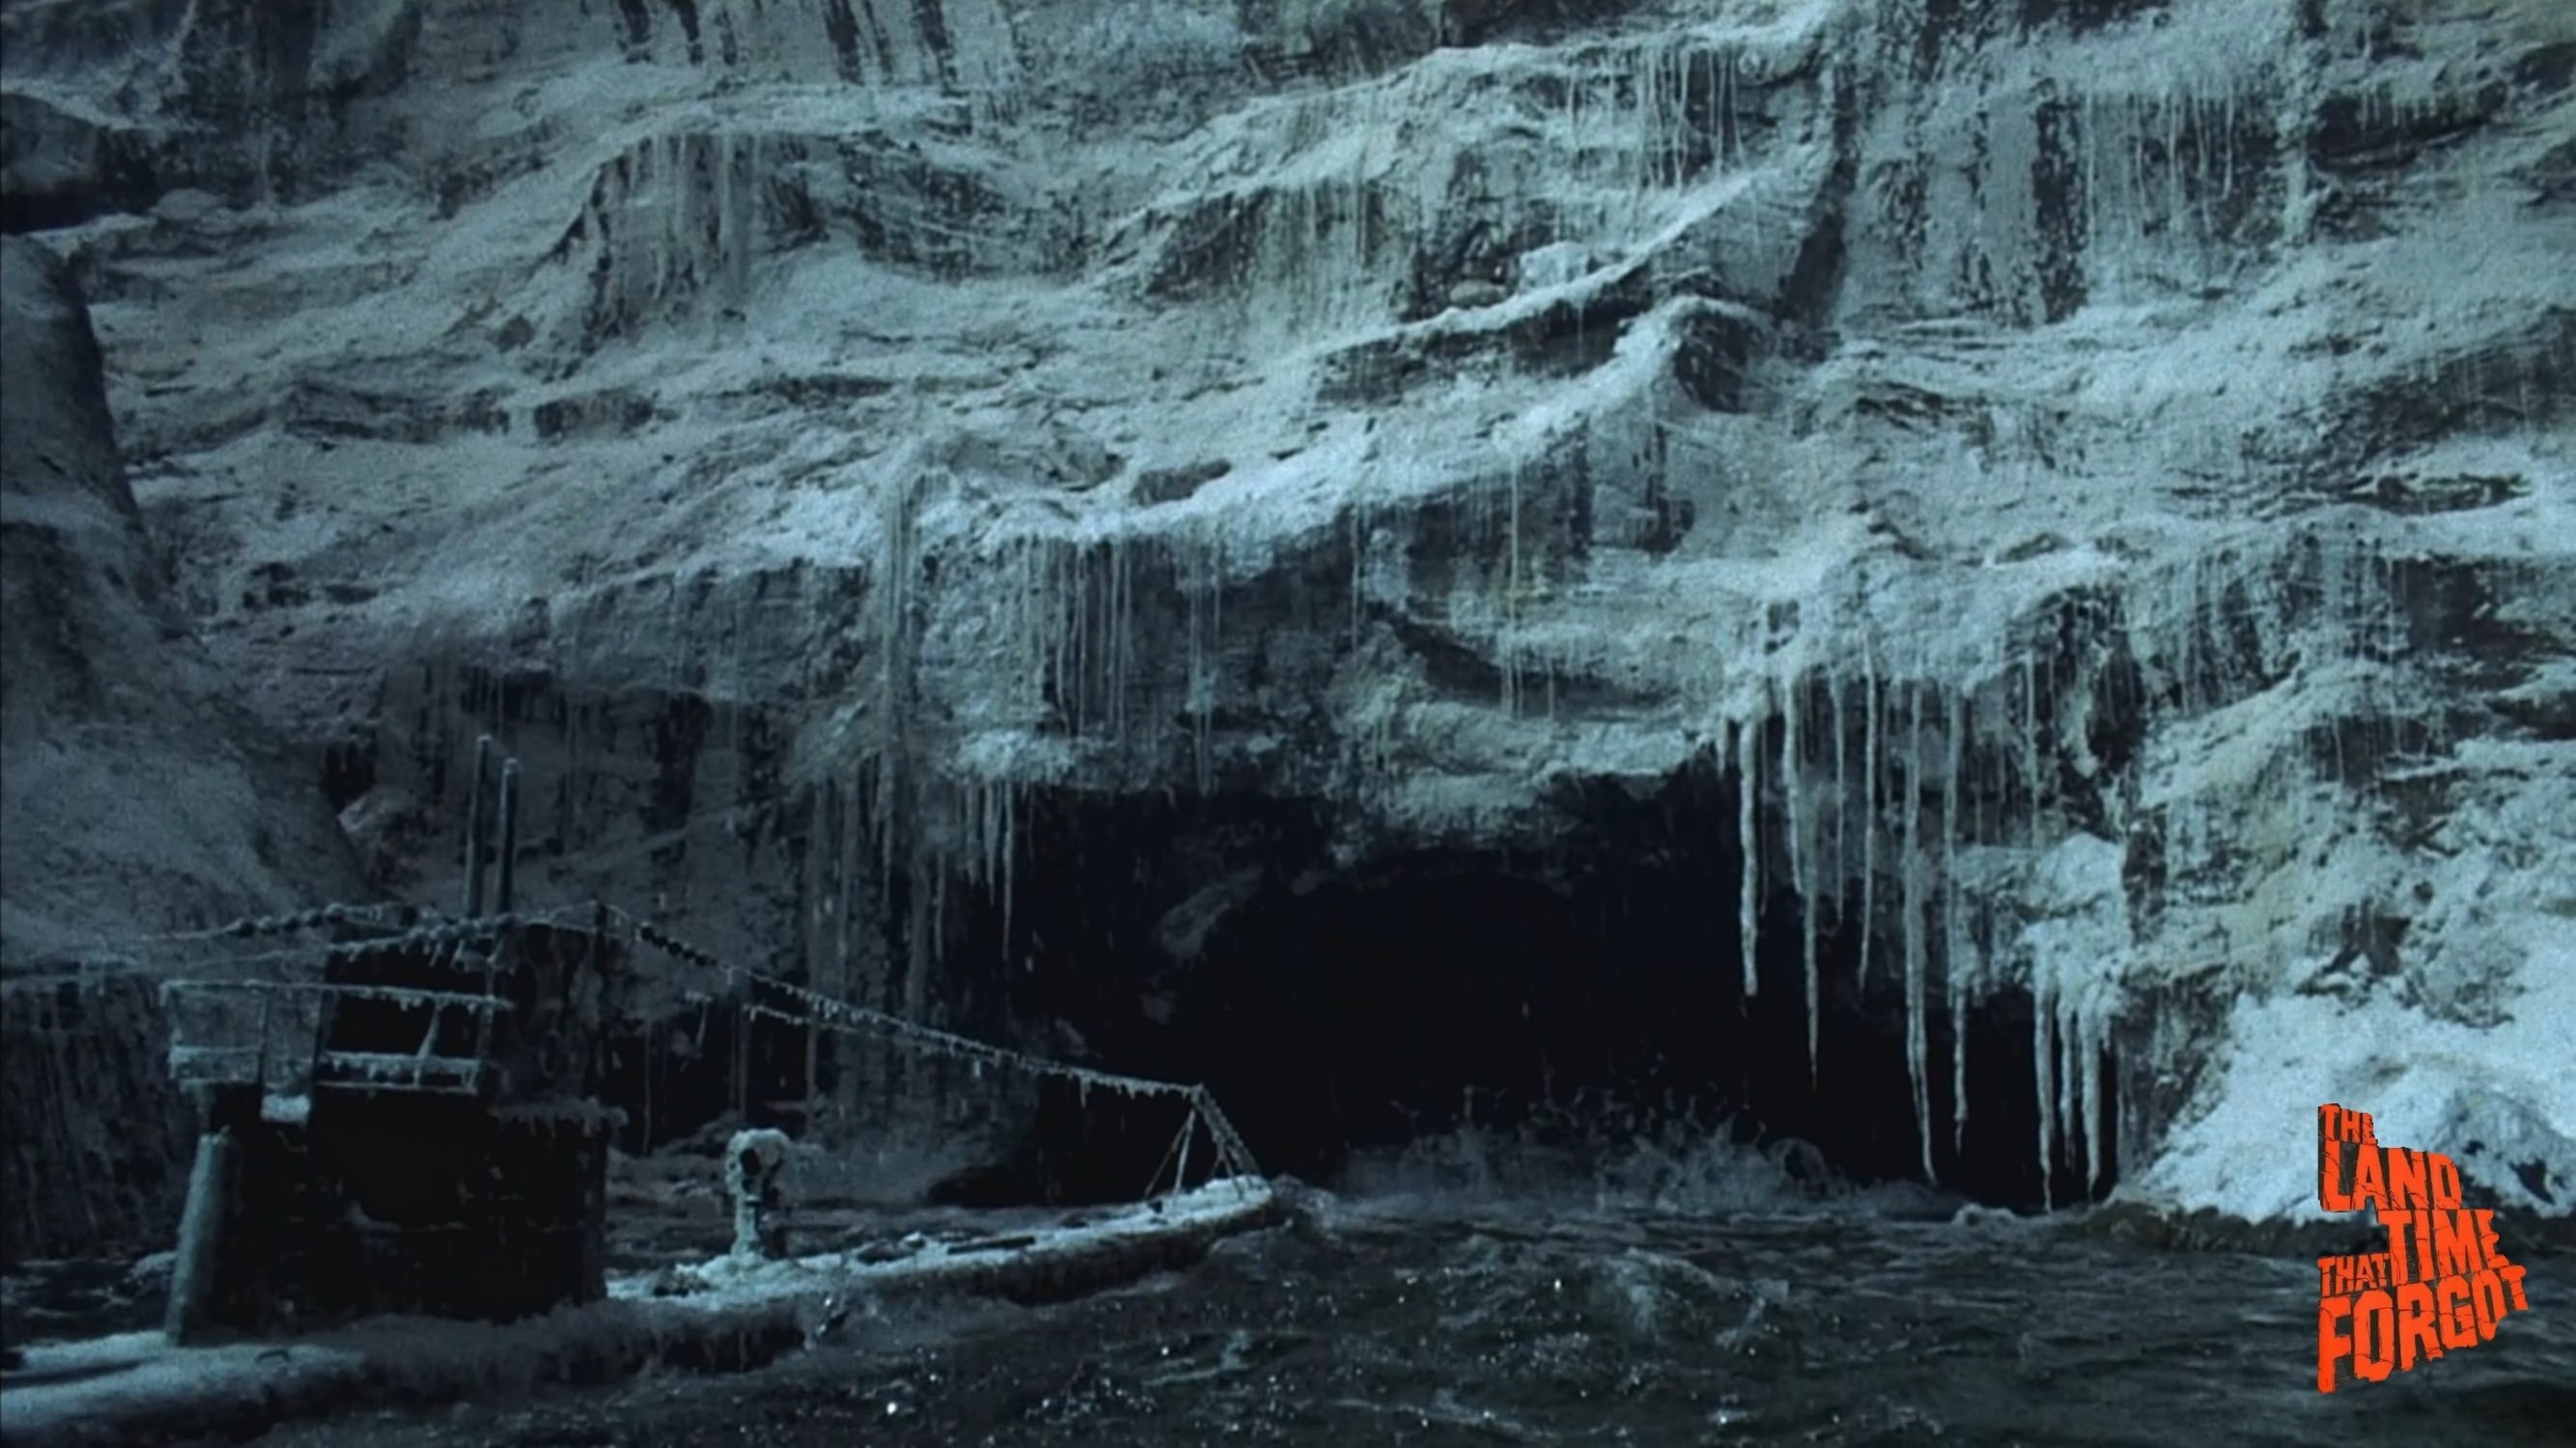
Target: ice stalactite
{"x": 1792, "y": 791}
{"x": 1122, "y": 632}
{"x": 1205, "y": 592}
{"x": 747, "y": 166}
{"x": 1663, "y": 84}
{"x": 1869, "y": 760}
{"x": 2069, "y": 1027}
{"x": 897, "y": 572}
{"x": 1509, "y": 624}
{"x": 2089, "y": 1040}
{"x": 1216, "y": 633}
{"x": 1992, "y": 719}
{"x": 1043, "y": 579}
{"x": 1070, "y": 587}
{"x": 2082, "y": 1011}
{"x": 1658, "y": 114}
{"x": 2030, "y": 736}
{"x": 2043, "y": 1057}
{"x": 1002, "y": 834}
{"x": 1725, "y": 87}
{"x": 1091, "y": 642}
{"x": 2185, "y": 612}
{"x": 1748, "y": 773}
{"x": 1842, "y": 786}
{"x": 1954, "y": 955}
{"x": 1359, "y": 554}
{"x": 1010, "y": 851}
{"x": 1089, "y": 583}
{"x": 2071, "y": 1010}
{"x": 1917, "y": 1047}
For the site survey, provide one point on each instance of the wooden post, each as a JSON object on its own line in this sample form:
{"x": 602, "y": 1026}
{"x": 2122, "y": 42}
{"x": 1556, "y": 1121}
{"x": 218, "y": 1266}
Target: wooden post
{"x": 603, "y": 1031}
{"x": 742, "y": 1052}
{"x": 196, "y": 1273}
{"x": 259, "y": 1072}
{"x": 201, "y": 1240}
{"x": 482, "y": 1032}
{"x": 474, "y": 828}
{"x": 509, "y": 836}
{"x": 813, "y": 1098}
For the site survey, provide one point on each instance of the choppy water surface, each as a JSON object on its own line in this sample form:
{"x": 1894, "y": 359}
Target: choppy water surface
{"x": 1431, "y": 1320}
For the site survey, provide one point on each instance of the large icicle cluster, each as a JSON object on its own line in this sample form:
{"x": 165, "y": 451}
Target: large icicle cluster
{"x": 1988, "y": 820}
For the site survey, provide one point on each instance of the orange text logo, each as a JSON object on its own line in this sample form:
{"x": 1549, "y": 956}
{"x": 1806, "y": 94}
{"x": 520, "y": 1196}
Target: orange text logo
{"x": 2442, "y": 1285}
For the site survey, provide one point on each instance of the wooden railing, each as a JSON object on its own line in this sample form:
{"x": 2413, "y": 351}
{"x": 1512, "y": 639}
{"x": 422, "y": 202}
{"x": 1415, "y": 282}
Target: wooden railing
{"x": 277, "y": 1034}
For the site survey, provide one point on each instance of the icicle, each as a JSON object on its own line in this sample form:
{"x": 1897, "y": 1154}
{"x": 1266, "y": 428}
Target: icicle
{"x": 1010, "y": 865}
{"x": 1954, "y": 952}
{"x": 1726, "y": 115}
{"x": 2175, "y": 207}
{"x": 1512, "y": 600}
{"x": 1206, "y": 590}
{"x": 1358, "y": 543}
{"x": 1195, "y": 662}
{"x": 1842, "y": 787}
{"x": 2043, "y": 1053}
{"x": 2030, "y": 733}
{"x": 1791, "y": 788}
{"x": 2089, "y": 1041}
{"x": 1086, "y": 565}
{"x": 1748, "y": 770}
{"x": 1122, "y": 632}
{"x": 1916, "y": 1047}
{"x": 1869, "y": 808}
{"x": 2070, "y": 1025}
{"x": 1993, "y": 720}
{"x": 1216, "y": 643}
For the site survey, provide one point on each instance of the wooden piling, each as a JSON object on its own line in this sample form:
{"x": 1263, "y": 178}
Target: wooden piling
{"x": 509, "y": 837}
{"x": 474, "y": 828}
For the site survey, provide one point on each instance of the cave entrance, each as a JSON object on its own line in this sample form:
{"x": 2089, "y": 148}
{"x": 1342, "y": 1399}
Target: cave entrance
{"x": 1333, "y": 1011}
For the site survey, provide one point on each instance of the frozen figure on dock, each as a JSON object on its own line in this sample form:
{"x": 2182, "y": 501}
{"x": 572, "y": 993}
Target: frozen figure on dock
{"x": 756, "y": 1179}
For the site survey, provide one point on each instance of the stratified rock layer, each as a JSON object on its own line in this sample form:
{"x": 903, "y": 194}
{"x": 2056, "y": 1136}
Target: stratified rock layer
{"x": 139, "y": 796}
{"x": 2094, "y": 481}
{"x": 136, "y": 796}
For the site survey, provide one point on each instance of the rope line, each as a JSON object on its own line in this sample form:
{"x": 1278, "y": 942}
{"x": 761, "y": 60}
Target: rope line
{"x": 449, "y": 940}
{"x": 844, "y": 1016}
{"x": 447, "y": 935}
{"x": 250, "y": 927}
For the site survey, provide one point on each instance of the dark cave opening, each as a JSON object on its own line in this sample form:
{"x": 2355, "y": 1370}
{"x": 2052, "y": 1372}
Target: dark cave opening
{"x": 1332, "y": 1012}
{"x": 680, "y": 1074}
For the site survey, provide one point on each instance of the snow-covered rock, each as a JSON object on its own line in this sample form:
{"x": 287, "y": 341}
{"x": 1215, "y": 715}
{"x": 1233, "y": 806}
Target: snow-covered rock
{"x": 137, "y": 794}
{"x": 2101, "y": 472}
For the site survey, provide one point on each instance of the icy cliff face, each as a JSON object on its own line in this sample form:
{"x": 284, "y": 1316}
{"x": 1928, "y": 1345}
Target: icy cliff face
{"x": 139, "y": 796}
{"x": 136, "y": 795}
{"x": 2097, "y": 473}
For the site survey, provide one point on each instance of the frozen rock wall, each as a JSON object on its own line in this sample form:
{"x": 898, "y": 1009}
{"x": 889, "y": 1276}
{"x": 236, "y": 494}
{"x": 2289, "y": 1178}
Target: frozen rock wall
{"x": 2098, "y": 473}
{"x": 136, "y": 795}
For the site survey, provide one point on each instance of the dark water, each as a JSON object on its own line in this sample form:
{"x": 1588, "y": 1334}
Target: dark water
{"x": 1457, "y": 1320}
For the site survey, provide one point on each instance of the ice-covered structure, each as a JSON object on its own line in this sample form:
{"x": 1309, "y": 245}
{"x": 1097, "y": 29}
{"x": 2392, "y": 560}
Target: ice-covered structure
{"x": 409, "y": 1125}
{"x": 1994, "y": 581}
